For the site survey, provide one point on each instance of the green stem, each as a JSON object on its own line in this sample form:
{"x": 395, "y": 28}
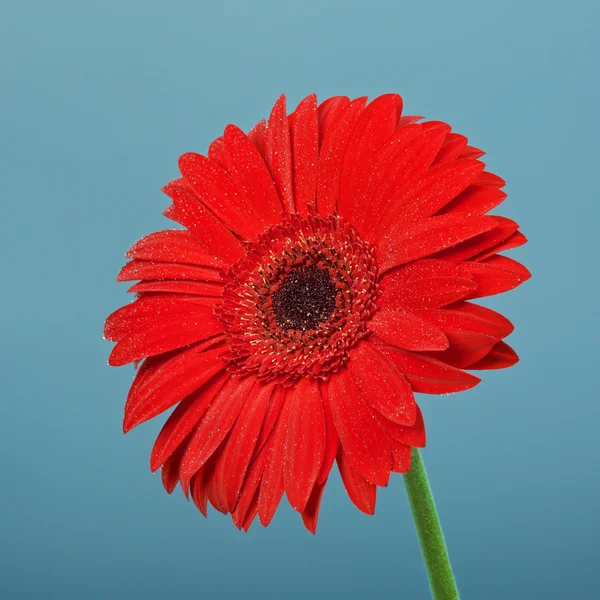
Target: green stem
{"x": 429, "y": 530}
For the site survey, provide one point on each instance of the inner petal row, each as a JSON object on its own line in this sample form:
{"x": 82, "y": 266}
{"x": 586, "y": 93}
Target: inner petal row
{"x": 299, "y": 299}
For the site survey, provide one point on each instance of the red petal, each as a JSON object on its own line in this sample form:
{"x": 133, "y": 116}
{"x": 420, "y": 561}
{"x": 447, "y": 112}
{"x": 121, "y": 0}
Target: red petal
{"x": 403, "y": 245}
{"x": 331, "y": 156}
{"x": 310, "y": 516}
{"x": 210, "y": 301}
{"x": 171, "y": 213}
{"x": 233, "y": 462}
{"x": 332, "y": 440}
{"x": 407, "y": 331}
{"x": 502, "y": 326}
{"x": 487, "y": 239}
{"x": 440, "y": 186}
{"x": 376, "y": 123}
{"x": 466, "y": 348}
{"x": 206, "y": 472}
{"x": 429, "y": 292}
{"x": 141, "y": 269}
{"x": 401, "y": 454}
{"x": 272, "y": 485}
{"x": 165, "y": 334}
{"x": 382, "y": 385}
{"x": 407, "y": 120}
{"x": 251, "y": 176}
{"x": 491, "y": 279}
{"x": 278, "y": 155}
{"x": 178, "y": 377}
{"x": 471, "y": 152}
{"x": 258, "y": 136}
{"x": 424, "y": 268}
{"x": 305, "y": 442}
{"x": 214, "y": 492}
{"x": 198, "y": 492}
{"x": 362, "y": 493}
{"x": 304, "y": 132}
{"x": 152, "y": 366}
{"x": 214, "y": 236}
{"x": 216, "y": 190}
{"x": 453, "y": 145}
{"x": 216, "y": 152}
{"x": 433, "y": 124}
{"x": 272, "y": 415}
{"x": 500, "y": 356}
{"x": 251, "y": 515}
{"x": 455, "y": 319}
{"x": 215, "y": 425}
{"x": 490, "y": 179}
{"x": 362, "y": 438}
{"x": 413, "y": 157}
{"x": 413, "y": 435}
{"x": 183, "y": 419}
{"x": 148, "y": 369}
{"x": 170, "y": 470}
{"x": 476, "y": 199}
{"x": 427, "y": 375}
{"x": 173, "y": 245}
{"x": 173, "y": 286}
{"x": 504, "y": 262}
{"x": 249, "y": 495}
{"x": 146, "y": 310}
{"x": 329, "y": 111}
{"x": 382, "y": 173}
{"x": 514, "y": 241}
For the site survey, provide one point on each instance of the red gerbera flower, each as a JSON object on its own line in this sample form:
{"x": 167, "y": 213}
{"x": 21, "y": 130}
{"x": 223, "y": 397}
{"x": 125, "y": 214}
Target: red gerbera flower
{"x": 324, "y": 274}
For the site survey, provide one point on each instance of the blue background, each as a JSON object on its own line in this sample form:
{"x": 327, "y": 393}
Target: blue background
{"x": 98, "y": 100}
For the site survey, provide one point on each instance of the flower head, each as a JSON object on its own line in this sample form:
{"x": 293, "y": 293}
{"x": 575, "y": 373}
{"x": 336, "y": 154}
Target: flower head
{"x": 324, "y": 273}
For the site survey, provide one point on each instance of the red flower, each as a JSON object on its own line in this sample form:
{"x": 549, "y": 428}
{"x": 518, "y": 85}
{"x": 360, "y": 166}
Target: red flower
{"x": 325, "y": 272}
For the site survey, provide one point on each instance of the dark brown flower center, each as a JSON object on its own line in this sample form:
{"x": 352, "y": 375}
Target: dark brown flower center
{"x": 299, "y": 300}
{"x": 305, "y": 299}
